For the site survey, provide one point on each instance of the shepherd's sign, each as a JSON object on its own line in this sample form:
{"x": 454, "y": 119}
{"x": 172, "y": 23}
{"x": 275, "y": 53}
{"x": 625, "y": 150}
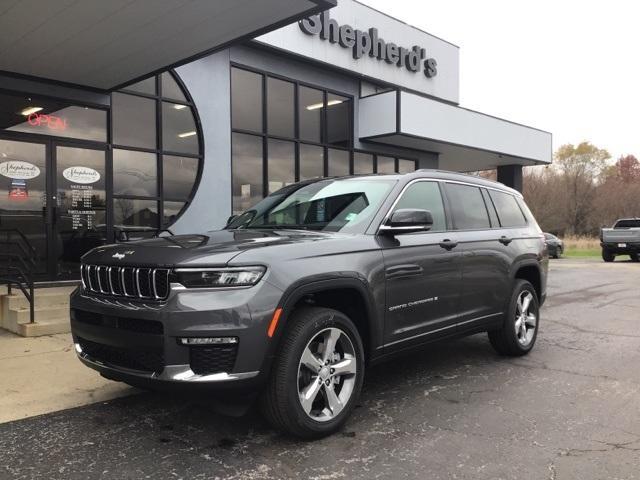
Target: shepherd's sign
{"x": 369, "y": 43}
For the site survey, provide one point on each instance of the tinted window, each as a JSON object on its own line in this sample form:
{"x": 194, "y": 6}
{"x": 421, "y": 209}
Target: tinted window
{"x": 338, "y": 120}
{"x": 246, "y": 100}
{"x": 179, "y": 132}
{"x": 310, "y": 113}
{"x": 508, "y": 210}
{"x": 362, "y": 162}
{"x": 280, "y": 107}
{"x": 425, "y": 196}
{"x": 492, "y": 211}
{"x": 281, "y": 164}
{"x": 406, "y": 166}
{"x": 467, "y": 207}
{"x": 134, "y": 173}
{"x": 246, "y": 166}
{"x": 134, "y": 121}
{"x": 311, "y": 161}
{"x": 338, "y": 162}
{"x": 179, "y": 177}
{"x": 139, "y": 213}
{"x": 627, "y": 223}
{"x": 386, "y": 164}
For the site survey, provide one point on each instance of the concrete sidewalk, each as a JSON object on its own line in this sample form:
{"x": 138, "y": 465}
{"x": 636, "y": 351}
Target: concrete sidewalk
{"x": 41, "y": 375}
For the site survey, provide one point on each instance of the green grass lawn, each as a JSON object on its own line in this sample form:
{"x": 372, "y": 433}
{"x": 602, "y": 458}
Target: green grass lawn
{"x": 582, "y": 252}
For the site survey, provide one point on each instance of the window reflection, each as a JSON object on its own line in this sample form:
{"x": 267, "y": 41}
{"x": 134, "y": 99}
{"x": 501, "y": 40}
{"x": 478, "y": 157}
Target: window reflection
{"x": 406, "y": 166}
{"x": 281, "y": 164}
{"x": 134, "y": 121}
{"x": 310, "y": 113}
{"x": 311, "y": 161}
{"x": 386, "y": 164}
{"x": 338, "y": 162}
{"x": 338, "y": 120}
{"x": 362, "y": 163}
{"x": 246, "y": 100}
{"x": 179, "y": 176}
{"x": 280, "y": 106}
{"x": 247, "y": 171}
{"x": 134, "y": 173}
{"x": 132, "y": 212}
{"x": 179, "y": 132}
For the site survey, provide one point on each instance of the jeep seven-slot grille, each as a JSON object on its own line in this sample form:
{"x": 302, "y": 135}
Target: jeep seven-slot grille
{"x": 149, "y": 283}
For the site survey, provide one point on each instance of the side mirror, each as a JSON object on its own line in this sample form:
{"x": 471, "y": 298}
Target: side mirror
{"x": 231, "y": 219}
{"x": 407, "y": 220}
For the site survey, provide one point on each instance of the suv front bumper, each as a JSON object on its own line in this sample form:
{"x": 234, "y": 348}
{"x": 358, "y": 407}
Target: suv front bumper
{"x": 141, "y": 343}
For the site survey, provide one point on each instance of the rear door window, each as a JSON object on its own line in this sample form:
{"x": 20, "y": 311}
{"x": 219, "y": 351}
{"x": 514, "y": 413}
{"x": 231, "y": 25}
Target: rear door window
{"x": 467, "y": 207}
{"x": 509, "y": 211}
{"x": 425, "y": 196}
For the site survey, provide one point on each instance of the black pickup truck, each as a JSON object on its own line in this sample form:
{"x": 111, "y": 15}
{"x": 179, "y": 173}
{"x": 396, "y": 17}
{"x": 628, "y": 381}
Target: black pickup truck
{"x": 296, "y": 296}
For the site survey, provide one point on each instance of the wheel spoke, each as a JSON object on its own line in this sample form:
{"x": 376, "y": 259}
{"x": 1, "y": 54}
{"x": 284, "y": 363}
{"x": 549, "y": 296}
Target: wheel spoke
{"x": 519, "y": 305}
{"x": 518, "y": 325}
{"x": 346, "y": 366}
{"x": 333, "y": 401}
{"x": 311, "y": 361}
{"x": 309, "y": 394}
{"x": 526, "y": 302}
{"x": 330, "y": 341}
{"x": 531, "y": 320}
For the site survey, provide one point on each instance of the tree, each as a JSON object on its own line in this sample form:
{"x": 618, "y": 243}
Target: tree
{"x": 580, "y": 167}
{"x": 627, "y": 168}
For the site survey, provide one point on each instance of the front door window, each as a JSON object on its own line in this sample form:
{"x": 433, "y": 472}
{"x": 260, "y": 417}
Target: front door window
{"x": 80, "y": 213}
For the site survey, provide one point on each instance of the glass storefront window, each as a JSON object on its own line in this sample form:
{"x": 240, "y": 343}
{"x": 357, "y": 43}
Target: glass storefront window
{"x": 147, "y": 86}
{"x": 281, "y": 164}
{"x": 171, "y": 212}
{"x": 386, "y": 164}
{"x": 406, "y": 166}
{"x": 338, "y": 162}
{"x": 134, "y": 121}
{"x": 134, "y": 173}
{"x": 246, "y": 166}
{"x": 19, "y": 113}
{"x": 133, "y": 212}
{"x": 170, "y": 88}
{"x": 246, "y": 100}
{"x": 179, "y": 176}
{"x": 179, "y": 132}
{"x": 310, "y": 105}
{"x": 338, "y": 120}
{"x": 362, "y": 163}
{"x": 280, "y": 108}
{"x": 311, "y": 161}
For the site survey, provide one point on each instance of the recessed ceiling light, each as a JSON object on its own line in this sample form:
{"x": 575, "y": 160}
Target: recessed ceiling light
{"x": 316, "y": 106}
{"x": 29, "y": 110}
{"x": 179, "y": 107}
{"x": 186, "y": 134}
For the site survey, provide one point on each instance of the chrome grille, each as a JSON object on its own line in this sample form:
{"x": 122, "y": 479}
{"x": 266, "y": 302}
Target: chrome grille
{"x": 147, "y": 283}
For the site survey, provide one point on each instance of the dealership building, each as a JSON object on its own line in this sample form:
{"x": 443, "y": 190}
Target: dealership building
{"x": 179, "y": 118}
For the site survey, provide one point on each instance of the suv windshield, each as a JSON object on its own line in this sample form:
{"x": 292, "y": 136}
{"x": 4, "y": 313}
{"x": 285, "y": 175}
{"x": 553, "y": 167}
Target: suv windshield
{"x": 345, "y": 205}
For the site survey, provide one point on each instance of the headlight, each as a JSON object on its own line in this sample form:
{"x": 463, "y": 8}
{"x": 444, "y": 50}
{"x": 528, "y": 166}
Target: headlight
{"x": 219, "y": 277}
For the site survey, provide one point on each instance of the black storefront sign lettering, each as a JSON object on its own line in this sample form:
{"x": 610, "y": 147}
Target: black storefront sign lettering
{"x": 369, "y": 43}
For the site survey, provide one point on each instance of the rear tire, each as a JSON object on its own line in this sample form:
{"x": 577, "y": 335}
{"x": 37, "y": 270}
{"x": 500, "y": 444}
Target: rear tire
{"x": 607, "y": 256}
{"x": 635, "y": 257}
{"x": 311, "y": 391}
{"x": 516, "y": 338}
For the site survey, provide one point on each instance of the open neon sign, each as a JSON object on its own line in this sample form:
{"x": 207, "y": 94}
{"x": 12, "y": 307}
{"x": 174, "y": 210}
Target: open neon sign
{"x": 50, "y": 121}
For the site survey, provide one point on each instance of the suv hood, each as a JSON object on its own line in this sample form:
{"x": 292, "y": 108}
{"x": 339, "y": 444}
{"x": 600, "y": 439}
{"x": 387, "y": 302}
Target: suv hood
{"x": 212, "y": 248}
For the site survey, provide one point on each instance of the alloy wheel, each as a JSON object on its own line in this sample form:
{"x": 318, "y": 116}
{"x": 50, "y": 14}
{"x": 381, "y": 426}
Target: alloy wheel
{"x": 326, "y": 374}
{"x": 526, "y": 318}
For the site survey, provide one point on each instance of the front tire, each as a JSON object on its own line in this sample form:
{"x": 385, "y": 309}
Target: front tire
{"x": 607, "y": 256}
{"x": 317, "y": 376}
{"x": 520, "y": 327}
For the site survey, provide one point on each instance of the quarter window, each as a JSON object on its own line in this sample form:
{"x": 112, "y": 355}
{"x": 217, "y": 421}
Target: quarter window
{"x": 508, "y": 210}
{"x": 467, "y": 207}
{"x": 425, "y": 196}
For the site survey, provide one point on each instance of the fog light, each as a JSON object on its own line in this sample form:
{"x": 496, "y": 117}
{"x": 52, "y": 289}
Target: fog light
{"x": 208, "y": 340}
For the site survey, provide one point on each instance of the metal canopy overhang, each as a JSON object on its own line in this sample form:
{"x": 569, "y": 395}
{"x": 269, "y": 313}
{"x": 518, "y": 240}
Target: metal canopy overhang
{"x": 107, "y": 44}
{"x": 465, "y": 140}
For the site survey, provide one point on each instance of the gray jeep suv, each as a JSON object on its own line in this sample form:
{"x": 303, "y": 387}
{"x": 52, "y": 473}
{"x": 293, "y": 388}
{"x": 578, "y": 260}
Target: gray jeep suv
{"x": 297, "y": 295}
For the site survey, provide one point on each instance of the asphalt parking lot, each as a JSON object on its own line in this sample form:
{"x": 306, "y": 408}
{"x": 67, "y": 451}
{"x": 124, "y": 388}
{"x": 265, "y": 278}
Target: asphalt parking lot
{"x": 569, "y": 410}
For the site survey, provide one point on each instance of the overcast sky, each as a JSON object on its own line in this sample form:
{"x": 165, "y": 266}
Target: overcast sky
{"x": 566, "y": 66}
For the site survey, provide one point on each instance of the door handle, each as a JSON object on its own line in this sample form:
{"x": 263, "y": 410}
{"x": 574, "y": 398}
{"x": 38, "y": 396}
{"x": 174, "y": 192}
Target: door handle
{"x": 505, "y": 240}
{"x": 448, "y": 244}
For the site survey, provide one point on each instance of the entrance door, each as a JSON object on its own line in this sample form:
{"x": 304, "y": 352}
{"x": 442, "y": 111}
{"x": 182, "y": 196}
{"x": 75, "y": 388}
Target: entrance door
{"x": 24, "y": 198}
{"x": 78, "y": 216}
